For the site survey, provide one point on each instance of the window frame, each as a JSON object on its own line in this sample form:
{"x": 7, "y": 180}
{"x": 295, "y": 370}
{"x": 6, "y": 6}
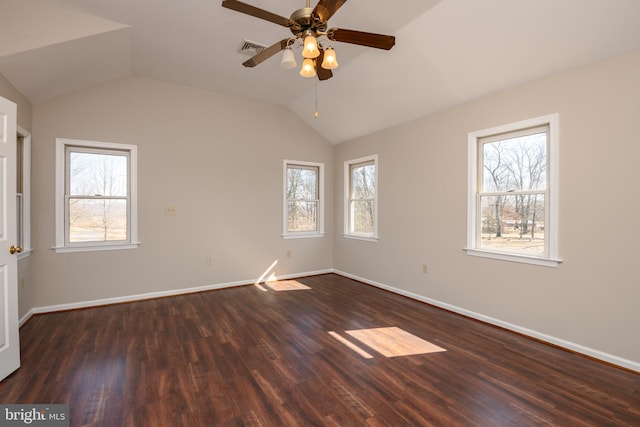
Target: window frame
{"x": 475, "y": 139}
{"x": 348, "y": 165}
{"x": 24, "y": 209}
{"x": 62, "y": 243}
{"x": 319, "y": 232}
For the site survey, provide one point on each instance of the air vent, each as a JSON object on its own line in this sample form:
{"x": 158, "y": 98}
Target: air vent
{"x": 251, "y": 48}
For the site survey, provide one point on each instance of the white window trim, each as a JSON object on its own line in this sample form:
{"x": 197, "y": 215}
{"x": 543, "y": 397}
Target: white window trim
{"x": 26, "y": 193}
{"x": 373, "y": 237}
{"x": 303, "y": 234}
{"x": 60, "y": 245}
{"x": 551, "y": 259}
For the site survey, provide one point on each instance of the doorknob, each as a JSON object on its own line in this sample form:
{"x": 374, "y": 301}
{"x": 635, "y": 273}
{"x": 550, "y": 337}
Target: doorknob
{"x": 14, "y": 249}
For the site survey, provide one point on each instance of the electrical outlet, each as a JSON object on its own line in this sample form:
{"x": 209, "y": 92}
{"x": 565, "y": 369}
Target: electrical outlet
{"x": 170, "y": 210}
{"x": 209, "y": 261}
{"x": 288, "y": 254}
{"x": 425, "y": 268}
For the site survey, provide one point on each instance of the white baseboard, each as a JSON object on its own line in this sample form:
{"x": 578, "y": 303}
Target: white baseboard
{"x": 168, "y": 293}
{"x": 596, "y": 354}
{"x": 26, "y": 317}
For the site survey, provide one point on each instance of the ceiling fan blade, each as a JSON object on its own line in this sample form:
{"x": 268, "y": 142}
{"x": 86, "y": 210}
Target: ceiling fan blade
{"x": 248, "y": 9}
{"x": 266, "y": 54}
{"x": 323, "y": 74}
{"x": 326, "y": 8}
{"x": 379, "y": 41}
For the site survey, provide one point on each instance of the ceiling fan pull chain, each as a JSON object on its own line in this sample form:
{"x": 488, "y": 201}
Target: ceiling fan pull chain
{"x": 315, "y": 115}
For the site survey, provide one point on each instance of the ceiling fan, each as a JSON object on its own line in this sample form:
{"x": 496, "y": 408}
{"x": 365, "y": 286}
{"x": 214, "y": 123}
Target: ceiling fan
{"x": 308, "y": 26}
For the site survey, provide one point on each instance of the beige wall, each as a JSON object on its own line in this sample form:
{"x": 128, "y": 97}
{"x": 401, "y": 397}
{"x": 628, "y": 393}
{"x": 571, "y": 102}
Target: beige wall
{"x": 591, "y": 299}
{"x": 218, "y": 159}
{"x": 25, "y": 296}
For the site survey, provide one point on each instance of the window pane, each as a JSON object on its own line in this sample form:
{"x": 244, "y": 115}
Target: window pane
{"x": 362, "y": 218}
{"x": 513, "y": 222}
{"x": 302, "y": 216}
{"x": 94, "y": 174}
{"x": 518, "y": 163}
{"x": 302, "y": 183}
{"x": 97, "y": 220}
{"x": 363, "y": 184}
{"x": 19, "y": 220}
{"x": 19, "y": 163}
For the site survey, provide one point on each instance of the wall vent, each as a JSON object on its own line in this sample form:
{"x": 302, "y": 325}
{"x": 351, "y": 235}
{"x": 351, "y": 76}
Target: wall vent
{"x": 251, "y": 48}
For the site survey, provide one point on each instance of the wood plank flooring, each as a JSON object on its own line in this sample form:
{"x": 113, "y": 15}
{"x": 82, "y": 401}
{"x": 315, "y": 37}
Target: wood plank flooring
{"x": 255, "y": 356}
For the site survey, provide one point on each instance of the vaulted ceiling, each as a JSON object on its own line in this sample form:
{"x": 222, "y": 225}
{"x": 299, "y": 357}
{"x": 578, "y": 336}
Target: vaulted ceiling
{"x": 447, "y": 51}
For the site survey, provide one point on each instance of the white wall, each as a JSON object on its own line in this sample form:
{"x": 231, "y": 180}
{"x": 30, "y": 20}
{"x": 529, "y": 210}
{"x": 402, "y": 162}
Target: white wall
{"x": 216, "y": 158}
{"x": 592, "y": 298}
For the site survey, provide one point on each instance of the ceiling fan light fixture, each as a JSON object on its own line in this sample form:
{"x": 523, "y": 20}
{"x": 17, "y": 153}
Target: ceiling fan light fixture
{"x": 288, "y": 59}
{"x": 310, "y": 47}
{"x": 308, "y": 69}
{"x": 330, "y": 61}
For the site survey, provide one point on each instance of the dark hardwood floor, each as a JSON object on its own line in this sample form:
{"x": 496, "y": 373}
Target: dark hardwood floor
{"x": 251, "y": 357}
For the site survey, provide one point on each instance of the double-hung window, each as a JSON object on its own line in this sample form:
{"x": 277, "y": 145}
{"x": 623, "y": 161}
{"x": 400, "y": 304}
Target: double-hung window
{"x": 304, "y": 199}
{"x": 361, "y": 201}
{"x": 512, "y": 207}
{"x": 95, "y": 195}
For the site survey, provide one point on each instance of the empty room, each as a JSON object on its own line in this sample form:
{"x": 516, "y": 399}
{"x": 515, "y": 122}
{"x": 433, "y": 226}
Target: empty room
{"x": 319, "y": 213}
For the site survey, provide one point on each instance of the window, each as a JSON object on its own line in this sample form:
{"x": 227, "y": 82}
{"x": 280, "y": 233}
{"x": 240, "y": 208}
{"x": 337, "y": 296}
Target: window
{"x": 361, "y": 198}
{"x": 512, "y": 206}
{"x": 304, "y": 199}
{"x": 95, "y": 196}
{"x": 23, "y": 192}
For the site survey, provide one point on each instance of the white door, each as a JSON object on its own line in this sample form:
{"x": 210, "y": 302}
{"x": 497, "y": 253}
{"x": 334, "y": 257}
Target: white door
{"x": 9, "y": 339}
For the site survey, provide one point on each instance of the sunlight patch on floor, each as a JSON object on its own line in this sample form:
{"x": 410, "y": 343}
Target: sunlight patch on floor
{"x": 393, "y": 341}
{"x": 349, "y": 344}
{"x": 287, "y": 285}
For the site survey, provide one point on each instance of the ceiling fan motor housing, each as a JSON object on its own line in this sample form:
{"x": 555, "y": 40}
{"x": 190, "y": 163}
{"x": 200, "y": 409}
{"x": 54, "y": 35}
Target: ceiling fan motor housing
{"x": 305, "y": 22}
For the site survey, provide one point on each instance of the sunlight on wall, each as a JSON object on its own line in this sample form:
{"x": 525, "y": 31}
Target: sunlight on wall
{"x": 268, "y": 276}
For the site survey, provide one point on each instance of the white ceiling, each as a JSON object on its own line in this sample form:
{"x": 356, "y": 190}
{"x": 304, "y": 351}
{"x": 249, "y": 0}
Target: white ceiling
{"x": 447, "y": 51}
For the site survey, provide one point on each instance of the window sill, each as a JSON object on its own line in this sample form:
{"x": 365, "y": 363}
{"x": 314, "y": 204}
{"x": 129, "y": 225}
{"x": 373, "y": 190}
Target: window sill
{"x": 26, "y": 253}
{"x": 302, "y": 235}
{"x": 95, "y": 248}
{"x": 359, "y": 237}
{"x": 524, "y": 259}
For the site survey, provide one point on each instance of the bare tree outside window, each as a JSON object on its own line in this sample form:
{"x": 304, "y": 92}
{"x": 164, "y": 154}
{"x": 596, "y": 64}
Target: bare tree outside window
{"x": 362, "y": 198}
{"x": 514, "y": 186}
{"x": 97, "y": 196}
{"x": 302, "y": 198}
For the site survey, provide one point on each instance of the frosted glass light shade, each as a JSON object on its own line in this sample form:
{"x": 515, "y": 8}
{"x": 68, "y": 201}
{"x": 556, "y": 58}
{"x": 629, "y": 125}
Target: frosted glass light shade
{"x": 310, "y": 49}
{"x": 288, "y": 59}
{"x": 329, "y": 61}
{"x": 308, "y": 69}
